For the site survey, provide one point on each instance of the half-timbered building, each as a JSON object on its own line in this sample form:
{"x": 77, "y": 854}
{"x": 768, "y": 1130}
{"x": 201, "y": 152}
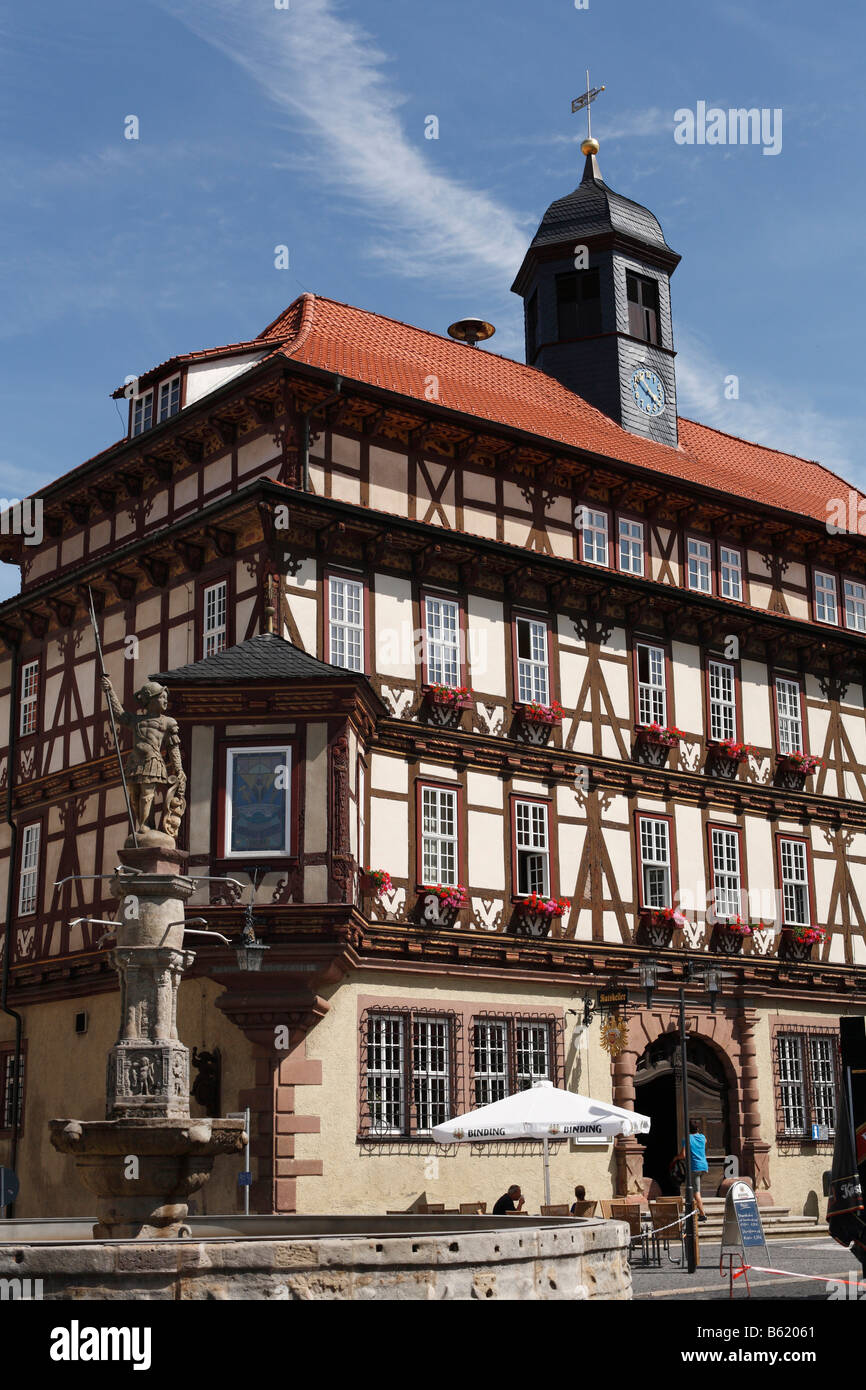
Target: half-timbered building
{"x": 517, "y": 633}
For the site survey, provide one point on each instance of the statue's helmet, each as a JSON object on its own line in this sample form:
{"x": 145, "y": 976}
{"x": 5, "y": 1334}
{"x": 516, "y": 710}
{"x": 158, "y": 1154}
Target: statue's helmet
{"x": 151, "y": 690}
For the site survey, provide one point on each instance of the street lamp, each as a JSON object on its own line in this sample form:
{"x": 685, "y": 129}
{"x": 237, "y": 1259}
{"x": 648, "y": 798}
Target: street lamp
{"x": 251, "y": 951}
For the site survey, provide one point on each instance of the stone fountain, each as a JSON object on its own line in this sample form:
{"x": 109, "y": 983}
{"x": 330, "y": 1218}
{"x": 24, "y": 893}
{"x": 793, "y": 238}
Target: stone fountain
{"x": 148, "y": 1156}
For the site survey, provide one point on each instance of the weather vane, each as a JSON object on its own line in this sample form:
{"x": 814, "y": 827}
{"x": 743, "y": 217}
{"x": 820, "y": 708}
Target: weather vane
{"x": 586, "y": 101}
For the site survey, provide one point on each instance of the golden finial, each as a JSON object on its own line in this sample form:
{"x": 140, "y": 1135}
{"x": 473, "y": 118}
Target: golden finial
{"x": 590, "y": 146}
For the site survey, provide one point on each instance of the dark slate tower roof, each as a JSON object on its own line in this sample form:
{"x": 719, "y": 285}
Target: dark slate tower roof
{"x": 265, "y": 657}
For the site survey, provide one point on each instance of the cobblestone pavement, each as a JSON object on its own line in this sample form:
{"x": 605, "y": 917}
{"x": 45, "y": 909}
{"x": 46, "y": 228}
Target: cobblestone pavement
{"x": 802, "y": 1257}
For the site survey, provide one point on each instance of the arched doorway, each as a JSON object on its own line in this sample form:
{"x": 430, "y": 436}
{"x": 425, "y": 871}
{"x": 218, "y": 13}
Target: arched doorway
{"x": 658, "y": 1093}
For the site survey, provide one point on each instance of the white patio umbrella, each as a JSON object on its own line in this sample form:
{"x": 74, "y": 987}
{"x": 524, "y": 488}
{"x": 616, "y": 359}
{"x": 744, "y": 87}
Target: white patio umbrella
{"x": 545, "y": 1112}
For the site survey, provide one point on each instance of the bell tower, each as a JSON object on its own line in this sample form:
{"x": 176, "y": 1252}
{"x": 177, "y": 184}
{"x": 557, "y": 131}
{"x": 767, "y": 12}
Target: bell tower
{"x": 595, "y": 285}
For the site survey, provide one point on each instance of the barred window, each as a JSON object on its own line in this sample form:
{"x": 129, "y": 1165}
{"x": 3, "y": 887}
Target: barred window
{"x": 443, "y": 641}
{"x": 532, "y": 1053}
{"x": 439, "y": 836}
{"x": 651, "y": 685}
{"x": 28, "y": 887}
{"x": 725, "y": 846}
{"x": 7, "y": 1083}
{"x": 431, "y": 1072}
{"x": 407, "y": 1080}
{"x": 730, "y": 573}
{"x": 531, "y": 637}
{"x": 29, "y": 697}
{"x": 215, "y": 615}
{"x": 807, "y": 1078}
{"x": 346, "y": 617}
{"x": 531, "y": 845}
{"x": 490, "y": 1061}
{"x": 655, "y": 858}
{"x": 631, "y": 546}
{"x": 723, "y": 701}
{"x": 790, "y": 715}
{"x": 700, "y": 566}
{"x": 795, "y": 883}
{"x": 385, "y": 1072}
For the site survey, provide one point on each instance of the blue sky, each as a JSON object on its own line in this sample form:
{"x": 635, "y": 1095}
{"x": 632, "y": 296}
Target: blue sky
{"x": 306, "y": 127}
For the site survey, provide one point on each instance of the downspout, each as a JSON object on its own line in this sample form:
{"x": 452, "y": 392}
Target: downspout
{"x": 305, "y": 430}
{"x": 7, "y": 952}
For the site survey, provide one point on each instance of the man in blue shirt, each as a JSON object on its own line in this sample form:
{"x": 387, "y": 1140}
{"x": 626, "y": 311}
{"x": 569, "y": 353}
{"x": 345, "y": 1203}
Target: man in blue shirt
{"x": 698, "y": 1148}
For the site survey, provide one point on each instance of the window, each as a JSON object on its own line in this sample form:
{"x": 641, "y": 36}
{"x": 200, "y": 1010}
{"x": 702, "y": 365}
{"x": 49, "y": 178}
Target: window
{"x": 215, "y": 618}
{"x": 431, "y": 1072}
{"x": 169, "y": 399}
{"x": 826, "y": 598}
{"x": 651, "y": 685}
{"x": 806, "y": 1073}
{"x": 725, "y": 852}
{"x": 346, "y": 623}
{"x": 630, "y": 546}
{"x": 730, "y": 573}
{"x": 794, "y": 867}
{"x": 655, "y": 862}
{"x": 531, "y": 848}
{"x": 594, "y": 533}
{"x": 723, "y": 700}
{"x": 532, "y": 327}
{"x": 442, "y": 628}
{"x": 29, "y": 697}
{"x": 7, "y": 1088}
{"x": 439, "y": 860}
{"x": 790, "y": 717}
{"x": 258, "y": 801}
{"x": 532, "y": 1053}
{"x": 578, "y": 305}
{"x": 28, "y": 886}
{"x": 385, "y": 1074}
{"x": 700, "y": 569}
{"x": 490, "y": 1061}
{"x": 531, "y": 636}
{"x": 643, "y": 308}
{"x": 142, "y": 413}
{"x": 855, "y": 605}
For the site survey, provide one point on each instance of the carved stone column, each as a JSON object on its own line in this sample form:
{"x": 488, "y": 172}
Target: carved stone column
{"x": 628, "y": 1151}
{"x": 755, "y": 1158}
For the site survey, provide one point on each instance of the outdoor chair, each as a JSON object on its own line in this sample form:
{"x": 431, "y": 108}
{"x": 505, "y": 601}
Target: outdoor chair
{"x": 664, "y": 1212}
{"x": 629, "y": 1212}
{"x": 560, "y": 1209}
{"x": 584, "y": 1209}
{"x": 605, "y": 1209}
{"x": 473, "y": 1208}
{"x": 429, "y": 1207}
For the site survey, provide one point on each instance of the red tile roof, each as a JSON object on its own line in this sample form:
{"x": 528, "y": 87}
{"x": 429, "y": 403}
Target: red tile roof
{"x": 384, "y": 352}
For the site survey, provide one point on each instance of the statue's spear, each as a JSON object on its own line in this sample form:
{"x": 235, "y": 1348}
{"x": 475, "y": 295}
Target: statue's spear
{"x": 113, "y": 725}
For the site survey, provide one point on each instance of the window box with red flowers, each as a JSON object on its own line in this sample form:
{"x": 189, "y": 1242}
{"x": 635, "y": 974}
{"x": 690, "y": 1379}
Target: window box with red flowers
{"x": 656, "y": 925}
{"x": 654, "y": 741}
{"x": 537, "y": 721}
{"x": 728, "y": 937}
{"x": 794, "y": 768}
{"x": 725, "y": 755}
{"x": 375, "y": 882}
{"x": 536, "y": 914}
{"x": 795, "y": 943}
{"x": 440, "y": 903}
{"x": 445, "y": 704}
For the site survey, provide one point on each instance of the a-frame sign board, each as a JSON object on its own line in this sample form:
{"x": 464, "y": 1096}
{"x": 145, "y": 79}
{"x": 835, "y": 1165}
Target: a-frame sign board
{"x": 743, "y": 1232}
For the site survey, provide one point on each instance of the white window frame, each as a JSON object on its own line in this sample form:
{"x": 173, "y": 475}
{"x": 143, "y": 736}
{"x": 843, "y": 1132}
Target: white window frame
{"x": 346, "y": 622}
{"x": 141, "y": 419}
{"x": 722, "y": 689}
{"x": 440, "y": 857}
{"x": 240, "y": 751}
{"x": 9, "y": 1087}
{"x": 822, "y": 1060}
{"x": 386, "y": 1041}
{"x": 826, "y": 598}
{"x": 792, "y": 1083}
{"x": 789, "y": 715}
{"x": 489, "y": 1060}
{"x": 727, "y": 873}
{"x": 166, "y": 393}
{"x": 532, "y": 1052}
{"x": 630, "y": 544}
{"x": 533, "y": 673}
{"x": 28, "y": 878}
{"x": 29, "y": 716}
{"x": 794, "y": 874}
{"x": 855, "y": 605}
{"x": 699, "y": 565}
{"x": 215, "y": 617}
{"x": 595, "y": 533}
{"x": 730, "y": 573}
{"x": 531, "y": 847}
{"x": 442, "y": 640}
{"x": 654, "y": 848}
{"x": 652, "y": 692}
{"x": 803, "y": 1104}
{"x": 431, "y": 1071}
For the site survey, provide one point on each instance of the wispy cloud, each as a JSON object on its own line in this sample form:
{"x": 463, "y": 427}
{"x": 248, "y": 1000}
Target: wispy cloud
{"x": 327, "y": 74}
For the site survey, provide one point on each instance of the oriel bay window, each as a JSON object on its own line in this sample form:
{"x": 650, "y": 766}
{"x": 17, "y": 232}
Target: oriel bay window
{"x": 346, "y": 622}
{"x": 531, "y": 848}
{"x": 794, "y": 875}
{"x": 408, "y": 1072}
{"x": 258, "y": 802}
{"x": 652, "y": 703}
{"x": 439, "y": 862}
{"x": 654, "y": 848}
{"x": 805, "y": 1083}
{"x": 725, "y": 869}
{"x": 533, "y": 683}
{"x": 789, "y": 715}
{"x": 721, "y": 679}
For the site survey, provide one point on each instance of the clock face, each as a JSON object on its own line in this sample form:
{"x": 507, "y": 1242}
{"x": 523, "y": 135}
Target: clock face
{"x": 648, "y": 390}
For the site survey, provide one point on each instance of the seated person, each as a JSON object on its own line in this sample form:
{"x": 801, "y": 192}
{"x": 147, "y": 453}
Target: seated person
{"x": 512, "y": 1200}
{"x": 579, "y": 1197}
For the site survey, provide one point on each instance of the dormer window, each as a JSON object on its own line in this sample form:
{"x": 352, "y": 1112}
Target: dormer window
{"x": 169, "y": 399}
{"x": 643, "y": 308}
{"x": 142, "y": 413}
